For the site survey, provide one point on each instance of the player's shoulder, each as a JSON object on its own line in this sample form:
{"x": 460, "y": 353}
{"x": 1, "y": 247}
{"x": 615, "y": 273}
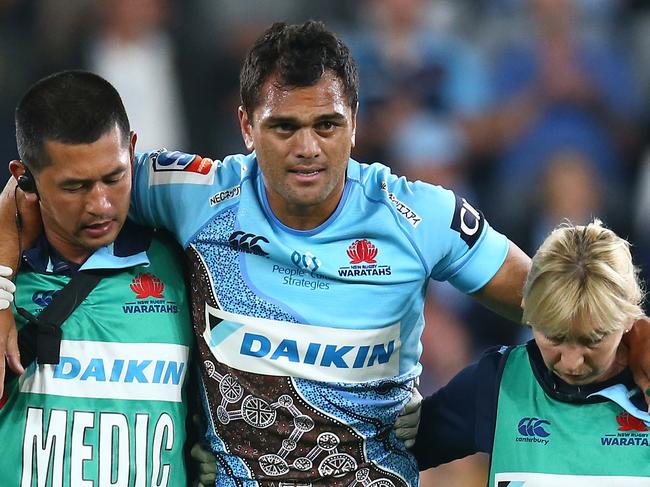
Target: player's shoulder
{"x": 169, "y": 167}
{"x": 493, "y": 359}
{"x": 413, "y": 201}
{"x": 164, "y": 247}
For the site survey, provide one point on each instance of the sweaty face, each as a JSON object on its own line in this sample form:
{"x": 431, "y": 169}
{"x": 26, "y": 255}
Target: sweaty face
{"x": 302, "y": 137}
{"x": 84, "y": 193}
{"x": 581, "y": 360}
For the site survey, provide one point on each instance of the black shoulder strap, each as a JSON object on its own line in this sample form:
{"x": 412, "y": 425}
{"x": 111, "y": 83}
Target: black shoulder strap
{"x": 40, "y": 339}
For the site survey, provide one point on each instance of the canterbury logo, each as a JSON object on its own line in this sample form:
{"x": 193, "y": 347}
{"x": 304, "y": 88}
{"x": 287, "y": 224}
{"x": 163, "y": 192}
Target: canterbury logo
{"x": 247, "y": 242}
{"x": 533, "y": 427}
{"x": 43, "y": 298}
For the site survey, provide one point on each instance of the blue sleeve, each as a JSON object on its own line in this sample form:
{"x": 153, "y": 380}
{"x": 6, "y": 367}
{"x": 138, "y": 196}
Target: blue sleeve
{"x": 452, "y": 238}
{"x": 180, "y": 192}
{"x": 476, "y": 250}
{"x": 459, "y": 419}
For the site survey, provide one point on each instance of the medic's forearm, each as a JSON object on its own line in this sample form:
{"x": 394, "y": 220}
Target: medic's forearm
{"x": 29, "y": 218}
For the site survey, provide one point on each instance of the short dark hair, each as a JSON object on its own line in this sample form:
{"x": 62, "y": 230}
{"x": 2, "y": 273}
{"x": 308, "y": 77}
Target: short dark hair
{"x": 72, "y": 107}
{"x": 299, "y": 54}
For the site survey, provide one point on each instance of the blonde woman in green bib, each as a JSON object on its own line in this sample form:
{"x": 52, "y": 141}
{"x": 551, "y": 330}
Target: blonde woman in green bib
{"x": 563, "y": 409}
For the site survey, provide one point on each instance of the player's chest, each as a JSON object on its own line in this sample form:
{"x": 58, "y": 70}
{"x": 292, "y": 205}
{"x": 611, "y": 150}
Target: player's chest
{"x": 350, "y": 267}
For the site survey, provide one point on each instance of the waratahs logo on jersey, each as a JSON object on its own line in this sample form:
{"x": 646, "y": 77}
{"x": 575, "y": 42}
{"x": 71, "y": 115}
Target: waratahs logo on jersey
{"x": 148, "y": 289}
{"x": 363, "y": 261}
{"x": 627, "y": 422}
{"x": 632, "y": 431}
{"x": 533, "y": 430}
{"x": 179, "y": 167}
{"x": 147, "y": 285}
{"x": 362, "y": 251}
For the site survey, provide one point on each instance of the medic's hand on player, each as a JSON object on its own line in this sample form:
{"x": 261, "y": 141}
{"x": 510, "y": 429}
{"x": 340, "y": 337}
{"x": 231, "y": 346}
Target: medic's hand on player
{"x": 7, "y": 288}
{"x": 207, "y": 464}
{"x": 8, "y": 333}
{"x": 638, "y": 342}
{"x": 406, "y": 426}
{"x": 14, "y": 202}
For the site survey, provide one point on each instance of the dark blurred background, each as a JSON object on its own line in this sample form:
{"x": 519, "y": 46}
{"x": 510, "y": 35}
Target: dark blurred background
{"x": 533, "y": 110}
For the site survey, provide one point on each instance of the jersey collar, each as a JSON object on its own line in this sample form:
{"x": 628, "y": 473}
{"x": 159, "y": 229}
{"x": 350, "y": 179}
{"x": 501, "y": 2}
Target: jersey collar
{"x": 128, "y": 250}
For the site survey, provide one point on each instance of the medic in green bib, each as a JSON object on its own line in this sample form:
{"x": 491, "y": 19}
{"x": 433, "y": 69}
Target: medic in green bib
{"x": 110, "y": 409}
{"x": 562, "y": 410}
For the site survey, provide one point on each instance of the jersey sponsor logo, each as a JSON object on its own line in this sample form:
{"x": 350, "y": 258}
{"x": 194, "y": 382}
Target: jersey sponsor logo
{"x": 303, "y": 273}
{"x": 467, "y": 221}
{"x": 531, "y": 479}
{"x": 533, "y": 430}
{"x": 405, "y": 212}
{"x": 533, "y": 427}
{"x": 306, "y": 261}
{"x": 109, "y": 447}
{"x": 180, "y": 161}
{"x": 148, "y": 289}
{"x": 248, "y": 243}
{"x": 363, "y": 262}
{"x": 136, "y": 371}
{"x": 44, "y": 298}
{"x": 179, "y": 167}
{"x": 631, "y": 432}
{"x": 225, "y": 195}
{"x": 321, "y": 353}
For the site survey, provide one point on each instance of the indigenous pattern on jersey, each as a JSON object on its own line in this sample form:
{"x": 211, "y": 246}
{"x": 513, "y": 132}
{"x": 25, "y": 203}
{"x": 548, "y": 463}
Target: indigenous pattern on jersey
{"x": 113, "y": 411}
{"x": 310, "y": 340}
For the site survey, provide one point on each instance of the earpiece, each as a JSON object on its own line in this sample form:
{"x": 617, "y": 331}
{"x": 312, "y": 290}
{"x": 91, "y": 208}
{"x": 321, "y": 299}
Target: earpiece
{"x": 26, "y": 182}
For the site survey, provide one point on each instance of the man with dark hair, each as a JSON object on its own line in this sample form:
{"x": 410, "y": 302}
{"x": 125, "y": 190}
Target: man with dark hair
{"x": 73, "y": 107}
{"x": 109, "y": 407}
{"x": 309, "y": 272}
{"x": 299, "y": 57}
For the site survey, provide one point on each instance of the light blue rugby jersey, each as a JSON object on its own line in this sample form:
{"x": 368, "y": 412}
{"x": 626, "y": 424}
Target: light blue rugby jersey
{"x": 310, "y": 340}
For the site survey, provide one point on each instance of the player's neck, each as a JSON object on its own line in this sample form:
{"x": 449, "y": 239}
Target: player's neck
{"x": 302, "y": 213}
{"x": 299, "y": 217}
{"x": 67, "y": 249}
